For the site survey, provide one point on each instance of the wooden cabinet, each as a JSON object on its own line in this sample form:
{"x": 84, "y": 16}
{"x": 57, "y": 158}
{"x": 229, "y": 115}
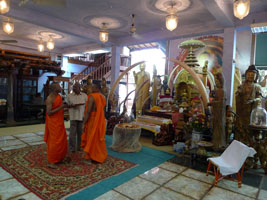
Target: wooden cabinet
{"x": 3, "y": 95}
{"x": 3, "y": 88}
{"x": 27, "y": 88}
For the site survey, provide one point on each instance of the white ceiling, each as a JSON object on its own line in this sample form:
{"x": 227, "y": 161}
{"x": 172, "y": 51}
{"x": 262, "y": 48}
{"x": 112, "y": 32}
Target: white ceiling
{"x": 73, "y": 21}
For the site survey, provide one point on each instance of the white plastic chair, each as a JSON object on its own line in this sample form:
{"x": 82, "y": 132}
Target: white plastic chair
{"x": 231, "y": 161}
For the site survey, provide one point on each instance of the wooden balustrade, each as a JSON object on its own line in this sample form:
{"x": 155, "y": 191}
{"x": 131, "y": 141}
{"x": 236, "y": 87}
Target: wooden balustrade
{"x": 99, "y": 68}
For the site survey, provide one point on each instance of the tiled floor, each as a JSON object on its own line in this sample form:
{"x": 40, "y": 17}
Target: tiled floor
{"x": 167, "y": 181}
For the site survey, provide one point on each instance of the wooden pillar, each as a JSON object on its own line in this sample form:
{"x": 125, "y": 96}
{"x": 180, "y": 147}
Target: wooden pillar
{"x": 228, "y": 66}
{"x": 10, "y": 106}
{"x": 167, "y": 55}
{"x": 253, "y": 48}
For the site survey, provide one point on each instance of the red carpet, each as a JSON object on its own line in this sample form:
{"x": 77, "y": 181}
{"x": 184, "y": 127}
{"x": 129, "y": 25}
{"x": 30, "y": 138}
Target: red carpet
{"x": 29, "y": 166}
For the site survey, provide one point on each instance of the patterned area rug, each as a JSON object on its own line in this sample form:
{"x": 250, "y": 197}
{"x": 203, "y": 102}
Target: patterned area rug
{"x": 29, "y": 166}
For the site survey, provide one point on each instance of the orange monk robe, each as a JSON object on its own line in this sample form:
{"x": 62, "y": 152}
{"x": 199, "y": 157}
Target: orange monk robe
{"x": 93, "y": 137}
{"x": 55, "y": 134}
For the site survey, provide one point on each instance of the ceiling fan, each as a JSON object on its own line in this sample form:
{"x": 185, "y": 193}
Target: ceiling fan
{"x": 133, "y": 29}
{"x": 60, "y": 3}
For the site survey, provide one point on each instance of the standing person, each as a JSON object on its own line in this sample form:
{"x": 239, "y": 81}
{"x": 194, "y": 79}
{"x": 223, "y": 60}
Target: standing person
{"x": 55, "y": 133}
{"x": 76, "y": 102}
{"x": 94, "y": 126}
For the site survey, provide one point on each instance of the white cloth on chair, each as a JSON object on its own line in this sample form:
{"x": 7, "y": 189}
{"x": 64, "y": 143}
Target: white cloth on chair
{"x": 233, "y": 158}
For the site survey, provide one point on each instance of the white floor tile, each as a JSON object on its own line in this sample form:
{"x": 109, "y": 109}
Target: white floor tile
{"x": 199, "y": 176}
{"x": 172, "y": 167}
{"x": 11, "y": 188}
{"x": 40, "y": 133}
{"x": 6, "y": 143}
{"x": 136, "y": 188}
{"x": 112, "y": 195}
{"x": 158, "y": 175}
{"x": 4, "y": 174}
{"x": 28, "y": 196}
{"x": 36, "y": 143}
{"x": 232, "y": 185}
{"x": 7, "y": 138}
{"x": 188, "y": 186}
{"x": 164, "y": 193}
{"x": 25, "y": 135}
{"x": 14, "y": 147}
{"x": 220, "y": 194}
{"x": 263, "y": 195}
{"x": 32, "y": 139}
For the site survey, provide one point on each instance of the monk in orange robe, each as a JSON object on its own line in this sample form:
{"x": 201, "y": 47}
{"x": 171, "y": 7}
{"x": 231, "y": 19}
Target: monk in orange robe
{"x": 94, "y": 127}
{"x": 55, "y": 133}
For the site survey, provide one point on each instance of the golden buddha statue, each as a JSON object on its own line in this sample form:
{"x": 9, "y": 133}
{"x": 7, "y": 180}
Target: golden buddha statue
{"x": 155, "y": 87}
{"x": 140, "y": 78}
{"x": 182, "y": 90}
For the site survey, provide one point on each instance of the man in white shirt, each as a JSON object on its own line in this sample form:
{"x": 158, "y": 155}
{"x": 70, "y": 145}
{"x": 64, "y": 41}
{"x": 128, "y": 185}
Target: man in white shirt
{"x": 76, "y": 102}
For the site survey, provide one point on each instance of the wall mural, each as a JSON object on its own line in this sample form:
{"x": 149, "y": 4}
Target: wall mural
{"x": 213, "y": 52}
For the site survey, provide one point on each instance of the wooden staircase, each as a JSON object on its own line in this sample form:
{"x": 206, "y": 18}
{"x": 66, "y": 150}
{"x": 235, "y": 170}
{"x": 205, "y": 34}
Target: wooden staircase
{"x": 97, "y": 69}
{"x": 101, "y": 68}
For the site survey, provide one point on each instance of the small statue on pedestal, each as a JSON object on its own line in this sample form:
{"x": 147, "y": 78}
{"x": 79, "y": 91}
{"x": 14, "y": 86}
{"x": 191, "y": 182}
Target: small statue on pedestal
{"x": 164, "y": 87}
{"x": 104, "y": 88}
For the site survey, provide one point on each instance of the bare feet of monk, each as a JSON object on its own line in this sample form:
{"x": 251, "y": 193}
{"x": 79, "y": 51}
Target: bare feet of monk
{"x": 67, "y": 160}
{"x": 52, "y": 166}
{"x": 89, "y": 162}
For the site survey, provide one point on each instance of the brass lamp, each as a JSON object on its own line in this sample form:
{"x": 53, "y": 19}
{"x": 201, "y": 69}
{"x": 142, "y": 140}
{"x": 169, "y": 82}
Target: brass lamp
{"x": 41, "y": 45}
{"x": 241, "y": 8}
{"x": 103, "y": 33}
{"x": 171, "y": 19}
{"x": 4, "y": 6}
{"x": 50, "y": 43}
{"x": 8, "y": 26}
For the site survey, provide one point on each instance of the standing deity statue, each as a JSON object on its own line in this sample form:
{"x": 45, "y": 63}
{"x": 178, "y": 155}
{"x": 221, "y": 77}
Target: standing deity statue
{"x": 104, "y": 88}
{"x": 143, "y": 94}
{"x": 218, "y": 113}
{"x": 155, "y": 87}
{"x": 248, "y": 97}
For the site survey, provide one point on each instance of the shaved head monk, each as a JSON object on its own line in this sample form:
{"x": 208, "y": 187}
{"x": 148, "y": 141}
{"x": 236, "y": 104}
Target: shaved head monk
{"x": 55, "y": 133}
{"x": 94, "y": 127}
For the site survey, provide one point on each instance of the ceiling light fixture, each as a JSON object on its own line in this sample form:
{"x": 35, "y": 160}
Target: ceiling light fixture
{"x": 8, "y": 26}
{"x": 41, "y": 45}
{"x": 241, "y": 8}
{"x": 171, "y": 18}
{"x": 103, "y": 33}
{"x": 4, "y": 6}
{"x": 50, "y": 43}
